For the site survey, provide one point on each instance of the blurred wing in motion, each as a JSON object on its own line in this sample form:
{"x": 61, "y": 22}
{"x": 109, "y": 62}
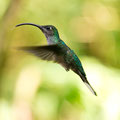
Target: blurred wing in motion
{"x": 48, "y": 52}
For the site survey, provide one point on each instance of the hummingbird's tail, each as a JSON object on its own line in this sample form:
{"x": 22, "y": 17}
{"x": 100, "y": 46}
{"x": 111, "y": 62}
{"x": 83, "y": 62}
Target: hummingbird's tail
{"x": 84, "y": 79}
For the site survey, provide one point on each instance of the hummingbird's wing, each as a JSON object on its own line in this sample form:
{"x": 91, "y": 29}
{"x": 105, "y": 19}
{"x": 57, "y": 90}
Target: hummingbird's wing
{"x": 48, "y": 52}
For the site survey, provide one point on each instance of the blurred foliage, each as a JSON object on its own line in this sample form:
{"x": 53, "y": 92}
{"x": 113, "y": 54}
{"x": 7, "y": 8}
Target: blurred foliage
{"x": 32, "y": 89}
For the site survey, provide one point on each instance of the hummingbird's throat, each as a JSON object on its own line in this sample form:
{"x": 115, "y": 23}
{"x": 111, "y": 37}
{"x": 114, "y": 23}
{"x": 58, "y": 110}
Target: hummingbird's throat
{"x": 52, "y": 39}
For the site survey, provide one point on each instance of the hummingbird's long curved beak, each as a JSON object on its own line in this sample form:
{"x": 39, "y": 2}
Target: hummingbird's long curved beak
{"x": 39, "y": 26}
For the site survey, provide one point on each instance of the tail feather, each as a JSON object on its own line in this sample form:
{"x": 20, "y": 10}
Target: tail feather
{"x": 84, "y": 79}
{"x": 90, "y": 88}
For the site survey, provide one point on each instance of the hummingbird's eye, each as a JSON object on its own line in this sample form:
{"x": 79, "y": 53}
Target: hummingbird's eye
{"x": 49, "y": 28}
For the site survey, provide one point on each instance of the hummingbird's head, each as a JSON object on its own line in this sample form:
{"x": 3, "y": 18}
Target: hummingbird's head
{"x": 48, "y": 30}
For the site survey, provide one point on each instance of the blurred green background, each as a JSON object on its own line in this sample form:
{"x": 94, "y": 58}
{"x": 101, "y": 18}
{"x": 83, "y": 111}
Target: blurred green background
{"x": 32, "y": 89}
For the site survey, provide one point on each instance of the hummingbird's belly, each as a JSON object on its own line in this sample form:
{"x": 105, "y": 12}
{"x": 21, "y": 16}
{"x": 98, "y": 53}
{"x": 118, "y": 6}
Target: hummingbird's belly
{"x": 62, "y": 62}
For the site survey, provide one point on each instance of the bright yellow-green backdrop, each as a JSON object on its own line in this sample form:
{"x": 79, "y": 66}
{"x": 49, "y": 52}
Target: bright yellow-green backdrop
{"x": 32, "y": 89}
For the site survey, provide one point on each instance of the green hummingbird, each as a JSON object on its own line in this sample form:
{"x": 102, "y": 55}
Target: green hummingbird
{"x": 58, "y": 52}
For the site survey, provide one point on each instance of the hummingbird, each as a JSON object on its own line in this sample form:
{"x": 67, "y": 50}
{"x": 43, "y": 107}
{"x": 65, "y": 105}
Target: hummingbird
{"x": 58, "y": 52}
